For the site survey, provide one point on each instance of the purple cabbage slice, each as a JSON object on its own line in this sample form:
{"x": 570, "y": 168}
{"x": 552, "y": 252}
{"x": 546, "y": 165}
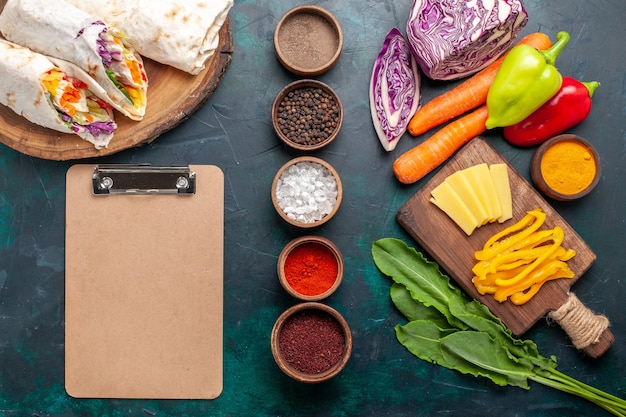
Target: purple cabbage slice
{"x": 452, "y": 39}
{"x": 394, "y": 89}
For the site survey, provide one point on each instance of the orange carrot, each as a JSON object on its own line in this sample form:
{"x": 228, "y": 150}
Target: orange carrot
{"x": 468, "y": 95}
{"x": 416, "y": 163}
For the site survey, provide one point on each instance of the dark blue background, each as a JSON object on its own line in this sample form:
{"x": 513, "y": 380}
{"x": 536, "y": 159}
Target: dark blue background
{"x": 233, "y": 131}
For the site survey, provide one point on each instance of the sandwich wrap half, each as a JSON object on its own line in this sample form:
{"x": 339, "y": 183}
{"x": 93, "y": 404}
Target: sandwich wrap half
{"x": 58, "y": 96}
{"x": 181, "y": 34}
{"x": 57, "y": 29}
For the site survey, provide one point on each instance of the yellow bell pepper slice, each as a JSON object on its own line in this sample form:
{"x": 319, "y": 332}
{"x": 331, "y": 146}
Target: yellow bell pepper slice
{"x": 544, "y": 254}
{"x": 506, "y": 238}
{"x": 516, "y": 262}
{"x": 520, "y": 298}
{"x": 538, "y": 275}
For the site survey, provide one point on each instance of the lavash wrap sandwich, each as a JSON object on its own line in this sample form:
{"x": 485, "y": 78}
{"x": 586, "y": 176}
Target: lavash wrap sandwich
{"x": 181, "y": 34}
{"x": 57, "y": 29}
{"x": 58, "y": 96}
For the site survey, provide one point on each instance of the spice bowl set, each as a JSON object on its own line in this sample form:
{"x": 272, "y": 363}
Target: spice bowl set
{"x": 307, "y": 115}
{"x": 311, "y": 342}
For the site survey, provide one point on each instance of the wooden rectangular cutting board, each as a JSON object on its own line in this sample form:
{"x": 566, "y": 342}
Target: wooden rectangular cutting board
{"x": 454, "y": 250}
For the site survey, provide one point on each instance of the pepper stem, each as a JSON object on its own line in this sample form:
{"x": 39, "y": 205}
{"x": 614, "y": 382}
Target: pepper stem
{"x": 552, "y": 53}
{"x": 591, "y": 86}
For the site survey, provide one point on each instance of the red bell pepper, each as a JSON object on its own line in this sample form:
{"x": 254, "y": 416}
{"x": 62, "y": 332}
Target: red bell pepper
{"x": 568, "y": 107}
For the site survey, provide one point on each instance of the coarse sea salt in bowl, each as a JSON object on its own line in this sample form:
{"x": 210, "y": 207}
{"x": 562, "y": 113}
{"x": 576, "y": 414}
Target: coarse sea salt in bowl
{"x": 307, "y": 192}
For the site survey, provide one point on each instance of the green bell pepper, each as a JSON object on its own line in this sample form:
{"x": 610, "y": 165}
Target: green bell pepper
{"x": 525, "y": 81}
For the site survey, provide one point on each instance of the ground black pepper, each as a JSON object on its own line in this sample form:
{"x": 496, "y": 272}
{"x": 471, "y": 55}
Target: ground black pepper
{"x": 311, "y": 341}
{"x": 308, "y": 115}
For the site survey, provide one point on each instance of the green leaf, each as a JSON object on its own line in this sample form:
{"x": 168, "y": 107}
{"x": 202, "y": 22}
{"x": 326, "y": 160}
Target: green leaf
{"x": 465, "y": 351}
{"x": 478, "y": 354}
{"x": 422, "y": 339}
{"x": 478, "y": 317}
{"x": 414, "y": 310}
{"x": 422, "y": 278}
{"x": 118, "y": 84}
{"x": 429, "y": 286}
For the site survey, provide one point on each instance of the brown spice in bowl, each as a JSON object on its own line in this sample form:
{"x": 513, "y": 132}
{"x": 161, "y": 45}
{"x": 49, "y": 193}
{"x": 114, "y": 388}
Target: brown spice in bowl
{"x": 308, "y": 115}
{"x": 308, "y": 41}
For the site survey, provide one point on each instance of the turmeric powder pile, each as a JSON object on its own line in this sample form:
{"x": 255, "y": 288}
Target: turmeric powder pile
{"x": 516, "y": 262}
{"x": 568, "y": 167}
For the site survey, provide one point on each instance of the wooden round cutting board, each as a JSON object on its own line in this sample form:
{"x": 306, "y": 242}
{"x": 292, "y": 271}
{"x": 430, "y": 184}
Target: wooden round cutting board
{"x": 173, "y": 96}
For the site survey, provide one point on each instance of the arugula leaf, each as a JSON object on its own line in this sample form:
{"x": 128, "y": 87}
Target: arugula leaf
{"x": 478, "y": 317}
{"x": 414, "y": 310}
{"x": 408, "y": 267}
{"x": 422, "y": 338}
{"x": 479, "y": 354}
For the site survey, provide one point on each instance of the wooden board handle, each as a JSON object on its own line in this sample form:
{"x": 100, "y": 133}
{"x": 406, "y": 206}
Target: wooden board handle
{"x": 595, "y": 350}
{"x": 588, "y": 331}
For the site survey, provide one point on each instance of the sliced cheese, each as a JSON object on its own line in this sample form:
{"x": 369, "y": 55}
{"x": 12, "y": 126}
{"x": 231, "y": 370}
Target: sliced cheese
{"x": 474, "y": 196}
{"x": 480, "y": 179}
{"x": 444, "y": 197}
{"x": 500, "y": 178}
{"x": 459, "y": 182}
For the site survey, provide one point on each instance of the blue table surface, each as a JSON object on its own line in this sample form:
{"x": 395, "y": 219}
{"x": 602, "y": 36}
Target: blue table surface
{"x": 233, "y": 131}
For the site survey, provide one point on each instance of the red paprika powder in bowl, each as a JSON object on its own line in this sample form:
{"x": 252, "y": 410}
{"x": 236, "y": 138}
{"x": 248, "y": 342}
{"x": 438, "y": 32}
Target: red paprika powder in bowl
{"x": 311, "y": 342}
{"x": 310, "y": 268}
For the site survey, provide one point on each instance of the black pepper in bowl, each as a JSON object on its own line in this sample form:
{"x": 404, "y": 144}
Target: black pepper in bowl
{"x": 307, "y": 115}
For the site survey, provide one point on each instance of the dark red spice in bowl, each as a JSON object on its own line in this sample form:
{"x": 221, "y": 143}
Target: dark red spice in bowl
{"x": 310, "y": 268}
{"x": 311, "y": 342}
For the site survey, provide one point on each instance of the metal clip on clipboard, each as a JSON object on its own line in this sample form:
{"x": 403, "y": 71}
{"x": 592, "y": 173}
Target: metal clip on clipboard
{"x": 143, "y": 179}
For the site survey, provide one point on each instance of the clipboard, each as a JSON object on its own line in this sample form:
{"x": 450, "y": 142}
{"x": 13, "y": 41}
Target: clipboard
{"x": 144, "y": 281}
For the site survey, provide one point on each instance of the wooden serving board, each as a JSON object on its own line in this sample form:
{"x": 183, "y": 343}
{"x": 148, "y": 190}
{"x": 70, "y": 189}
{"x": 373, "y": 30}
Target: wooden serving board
{"x": 454, "y": 250}
{"x": 173, "y": 96}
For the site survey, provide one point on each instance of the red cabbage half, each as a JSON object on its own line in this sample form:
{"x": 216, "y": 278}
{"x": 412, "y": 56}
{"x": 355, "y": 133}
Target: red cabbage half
{"x": 455, "y": 38}
{"x": 394, "y": 89}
